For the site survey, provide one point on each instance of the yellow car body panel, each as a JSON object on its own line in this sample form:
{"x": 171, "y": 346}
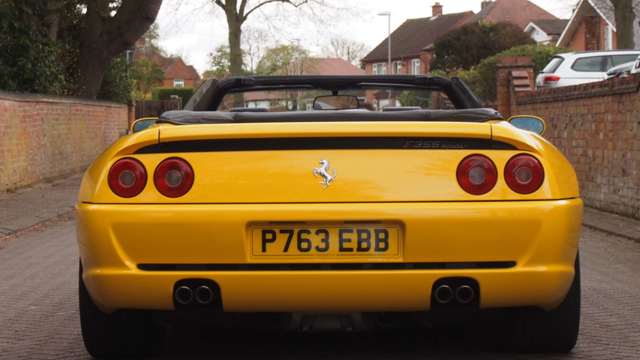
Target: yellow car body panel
{"x": 414, "y": 188}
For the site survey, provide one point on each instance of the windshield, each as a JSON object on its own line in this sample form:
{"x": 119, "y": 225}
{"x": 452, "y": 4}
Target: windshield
{"x": 374, "y": 99}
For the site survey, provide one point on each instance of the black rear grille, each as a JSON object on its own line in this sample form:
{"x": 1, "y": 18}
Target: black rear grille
{"x": 334, "y": 143}
{"x": 330, "y": 267}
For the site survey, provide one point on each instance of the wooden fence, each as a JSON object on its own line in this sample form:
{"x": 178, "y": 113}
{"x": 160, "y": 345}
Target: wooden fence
{"x": 152, "y": 108}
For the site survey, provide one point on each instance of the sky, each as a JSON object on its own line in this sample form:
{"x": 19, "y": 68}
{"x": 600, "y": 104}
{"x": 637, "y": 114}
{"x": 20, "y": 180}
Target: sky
{"x": 194, "y": 28}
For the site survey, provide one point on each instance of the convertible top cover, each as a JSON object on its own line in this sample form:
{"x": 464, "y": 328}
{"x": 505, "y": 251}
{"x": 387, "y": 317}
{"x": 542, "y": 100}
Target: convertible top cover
{"x": 203, "y": 107}
{"x": 209, "y": 95}
{"x": 184, "y": 117}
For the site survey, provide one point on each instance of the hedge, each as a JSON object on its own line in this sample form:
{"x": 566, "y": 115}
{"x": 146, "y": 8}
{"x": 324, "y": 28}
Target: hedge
{"x": 166, "y": 93}
{"x": 482, "y": 78}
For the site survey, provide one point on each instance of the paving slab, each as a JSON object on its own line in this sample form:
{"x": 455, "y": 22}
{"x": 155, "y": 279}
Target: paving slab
{"x": 39, "y": 317}
{"x": 31, "y": 206}
{"x": 621, "y": 226}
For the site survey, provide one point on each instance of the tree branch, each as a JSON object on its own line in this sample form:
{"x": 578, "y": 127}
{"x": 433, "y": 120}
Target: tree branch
{"x": 290, "y": 2}
{"x": 130, "y": 22}
{"x": 220, "y": 4}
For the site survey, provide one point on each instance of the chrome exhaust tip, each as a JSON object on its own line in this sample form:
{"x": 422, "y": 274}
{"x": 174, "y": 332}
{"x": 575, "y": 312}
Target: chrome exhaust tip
{"x": 443, "y": 294}
{"x": 204, "y": 295}
{"x": 465, "y": 294}
{"x": 183, "y": 295}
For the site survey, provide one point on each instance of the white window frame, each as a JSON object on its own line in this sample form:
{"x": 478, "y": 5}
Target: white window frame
{"x": 379, "y": 68}
{"x": 416, "y": 64}
{"x": 398, "y": 66}
{"x": 178, "y": 83}
{"x": 608, "y": 37}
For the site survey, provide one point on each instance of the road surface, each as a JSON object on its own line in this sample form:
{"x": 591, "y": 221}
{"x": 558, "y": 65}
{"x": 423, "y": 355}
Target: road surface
{"x": 39, "y": 315}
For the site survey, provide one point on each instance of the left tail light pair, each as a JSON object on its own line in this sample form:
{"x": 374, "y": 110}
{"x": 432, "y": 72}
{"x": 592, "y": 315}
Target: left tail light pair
{"x": 173, "y": 177}
{"x": 477, "y": 174}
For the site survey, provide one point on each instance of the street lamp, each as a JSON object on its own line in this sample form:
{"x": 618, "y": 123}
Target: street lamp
{"x": 388, "y": 15}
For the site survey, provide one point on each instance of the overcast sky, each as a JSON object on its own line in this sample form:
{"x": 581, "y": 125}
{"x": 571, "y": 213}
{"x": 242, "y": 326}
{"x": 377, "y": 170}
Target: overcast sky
{"x": 193, "y": 28}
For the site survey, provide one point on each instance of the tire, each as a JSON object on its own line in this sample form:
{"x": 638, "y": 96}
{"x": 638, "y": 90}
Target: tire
{"x": 117, "y": 335}
{"x": 550, "y": 331}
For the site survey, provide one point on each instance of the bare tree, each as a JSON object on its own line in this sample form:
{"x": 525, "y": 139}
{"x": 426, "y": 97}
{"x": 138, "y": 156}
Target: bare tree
{"x": 625, "y": 17}
{"x": 255, "y": 41}
{"x": 237, "y": 13}
{"x": 108, "y": 28}
{"x": 346, "y": 49}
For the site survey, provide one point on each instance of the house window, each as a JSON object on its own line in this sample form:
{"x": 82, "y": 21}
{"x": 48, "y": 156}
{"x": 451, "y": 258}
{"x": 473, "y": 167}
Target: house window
{"x": 415, "y": 66}
{"x": 397, "y": 67}
{"x": 178, "y": 83}
{"x": 379, "y": 68}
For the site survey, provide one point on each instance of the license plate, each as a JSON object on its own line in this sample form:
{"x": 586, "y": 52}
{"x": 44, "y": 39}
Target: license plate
{"x": 347, "y": 240}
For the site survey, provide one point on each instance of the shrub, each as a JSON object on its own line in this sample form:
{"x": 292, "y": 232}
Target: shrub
{"x": 469, "y": 45}
{"x": 116, "y": 85}
{"x": 165, "y": 94}
{"x": 482, "y": 78}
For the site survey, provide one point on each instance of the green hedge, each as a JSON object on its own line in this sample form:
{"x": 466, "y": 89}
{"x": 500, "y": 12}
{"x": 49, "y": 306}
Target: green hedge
{"x": 165, "y": 94}
{"x": 482, "y": 78}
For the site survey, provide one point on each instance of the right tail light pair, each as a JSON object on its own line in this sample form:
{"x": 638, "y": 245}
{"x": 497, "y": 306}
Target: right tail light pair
{"x": 477, "y": 174}
{"x": 173, "y": 177}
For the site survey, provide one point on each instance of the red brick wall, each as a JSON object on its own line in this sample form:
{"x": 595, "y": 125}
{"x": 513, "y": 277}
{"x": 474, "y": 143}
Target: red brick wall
{"x": 47, "y": 137}
{"x": 597, "y": 126}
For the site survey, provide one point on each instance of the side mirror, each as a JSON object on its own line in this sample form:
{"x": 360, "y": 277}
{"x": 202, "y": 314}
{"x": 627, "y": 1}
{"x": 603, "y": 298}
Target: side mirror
{"x": 528, "y": 122}
{"x": 142, "y": 124}
{"x": 336, "y": 102}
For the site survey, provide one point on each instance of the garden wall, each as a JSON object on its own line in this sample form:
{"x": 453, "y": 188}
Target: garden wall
{"x": 44, "y": 137}
{"x": 597, "y": 126}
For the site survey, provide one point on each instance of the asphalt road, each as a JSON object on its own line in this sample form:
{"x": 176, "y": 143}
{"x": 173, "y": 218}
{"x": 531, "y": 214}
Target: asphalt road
{"x": 39, "y": 316}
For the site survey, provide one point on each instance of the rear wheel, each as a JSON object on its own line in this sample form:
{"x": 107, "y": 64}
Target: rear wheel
{"x": 550, "y": 331}
{"x": 117, "y": 335}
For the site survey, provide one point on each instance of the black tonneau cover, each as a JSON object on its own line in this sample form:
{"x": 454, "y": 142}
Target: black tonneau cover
{"x": 184, "y": 117}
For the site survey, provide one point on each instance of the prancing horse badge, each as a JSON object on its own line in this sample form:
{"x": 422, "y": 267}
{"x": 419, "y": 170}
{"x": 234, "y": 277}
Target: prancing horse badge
{"x": 328, "y": 175}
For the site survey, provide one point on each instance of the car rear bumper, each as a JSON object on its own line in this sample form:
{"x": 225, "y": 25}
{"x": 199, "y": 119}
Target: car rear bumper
{"x": 521, "y": 253}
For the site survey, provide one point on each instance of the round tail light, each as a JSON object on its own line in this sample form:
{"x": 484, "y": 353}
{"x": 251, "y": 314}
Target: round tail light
{"x": 524, "y": 174}
{"x": 173, "y": 177}
{"x": 127, "y": 177}
{"x": 477, "y": 174}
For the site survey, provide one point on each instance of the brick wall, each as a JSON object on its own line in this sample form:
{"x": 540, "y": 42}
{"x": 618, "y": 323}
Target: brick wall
{"x": 597, "y": 126}
{"x": 45, "y": 137}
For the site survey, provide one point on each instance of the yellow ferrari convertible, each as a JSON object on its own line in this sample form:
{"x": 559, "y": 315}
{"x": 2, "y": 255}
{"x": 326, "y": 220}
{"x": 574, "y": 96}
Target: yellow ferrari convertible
{"x": 351, "y": 195}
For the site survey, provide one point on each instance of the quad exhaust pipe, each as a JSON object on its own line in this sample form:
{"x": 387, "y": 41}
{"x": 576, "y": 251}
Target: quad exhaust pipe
{"x": 460, "y": 291}
{"x": 195, "y": 293}
{"x": 443, "y": 294}
{"x": 204, "y": 295}
{"x": 465, "y": 294}
{"x": 183, "y": 295}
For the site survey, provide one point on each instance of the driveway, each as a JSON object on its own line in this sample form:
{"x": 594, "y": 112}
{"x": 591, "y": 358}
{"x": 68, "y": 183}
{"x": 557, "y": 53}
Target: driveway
{"x": 39, "y": 317}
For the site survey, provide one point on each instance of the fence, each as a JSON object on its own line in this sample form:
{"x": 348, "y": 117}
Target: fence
{"x": 154, "y": 108}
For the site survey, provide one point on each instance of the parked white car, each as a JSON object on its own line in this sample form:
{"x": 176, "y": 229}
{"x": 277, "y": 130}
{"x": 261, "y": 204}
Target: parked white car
{"x": 620, "y": 70}
{"x": 582, "y": 67}
{"x": 636, "y": 66}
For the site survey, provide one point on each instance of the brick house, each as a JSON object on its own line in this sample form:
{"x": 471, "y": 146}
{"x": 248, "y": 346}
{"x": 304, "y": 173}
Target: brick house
{"x": 593, "y": 27}
{"x": 177, "y": 73}
{"x": 412, "y": 42}
{"x": 309, "y": 66}
{"x": 517, "y": 12}
{"x": 546, "y": 32}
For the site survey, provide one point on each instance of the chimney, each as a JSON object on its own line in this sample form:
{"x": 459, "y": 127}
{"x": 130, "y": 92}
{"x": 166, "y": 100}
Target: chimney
{"x": 436, "y": 9}
{"x": 485, "y": 4}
